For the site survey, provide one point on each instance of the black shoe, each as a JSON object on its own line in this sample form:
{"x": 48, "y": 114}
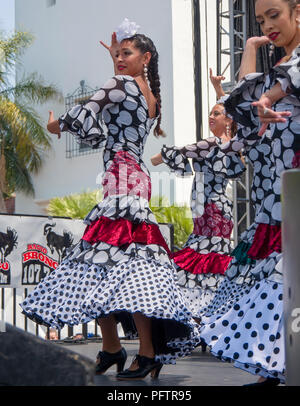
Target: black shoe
{"x": 267, "y": 382}
{"x": 108, "y": 359}
{"x": 203, "y": 346}
{"x": 145, "y": 366}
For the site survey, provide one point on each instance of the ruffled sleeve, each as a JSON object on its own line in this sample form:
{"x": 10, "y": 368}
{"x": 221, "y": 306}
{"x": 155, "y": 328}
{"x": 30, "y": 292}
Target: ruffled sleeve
{"x": 177, "y": 158}
{"x": 84, "y": 121}
{"x": 199, "y": 149}
{"x": 238, "y": 104}
{"x": 176, "y": 161}
{"x": 288, "y": 73}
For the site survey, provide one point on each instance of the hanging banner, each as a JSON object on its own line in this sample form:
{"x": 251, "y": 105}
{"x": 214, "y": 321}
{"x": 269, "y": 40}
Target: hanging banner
{"x": 31, "y": 247}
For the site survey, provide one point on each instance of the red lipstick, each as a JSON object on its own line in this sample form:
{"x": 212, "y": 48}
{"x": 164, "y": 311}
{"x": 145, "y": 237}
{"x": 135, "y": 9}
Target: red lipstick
{"x": 273, "y": 36}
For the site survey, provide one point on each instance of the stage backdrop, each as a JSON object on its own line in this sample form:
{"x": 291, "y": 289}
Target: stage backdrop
{"x": 32, "y": 246}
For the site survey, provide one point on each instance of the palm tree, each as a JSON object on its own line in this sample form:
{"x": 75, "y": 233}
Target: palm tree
{"x": 23, "y": 139}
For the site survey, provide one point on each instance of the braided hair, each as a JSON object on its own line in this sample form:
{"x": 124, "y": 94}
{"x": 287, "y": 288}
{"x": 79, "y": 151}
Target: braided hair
{"x": 145, "y": 44}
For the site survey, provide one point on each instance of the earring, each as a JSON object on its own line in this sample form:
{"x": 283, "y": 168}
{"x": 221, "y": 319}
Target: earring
{"x": 146, "y": 72}
{"x": 227, "y": 130}
{"x": 271, "y": 49}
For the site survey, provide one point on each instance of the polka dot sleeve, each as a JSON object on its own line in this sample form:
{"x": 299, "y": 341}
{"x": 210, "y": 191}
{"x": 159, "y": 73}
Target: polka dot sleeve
{"x": 240, "y": 143}
{"x": 200, "y": 149}
{"x": 225, "y": 159}
{"x": 229, "y": 166}
{"x": 83, "y": 121}
{"x": 177, "y": 158}
{"x": 176, "y": 161}
{"x": 288, "y": 73}
{"x": 238, "y": 104}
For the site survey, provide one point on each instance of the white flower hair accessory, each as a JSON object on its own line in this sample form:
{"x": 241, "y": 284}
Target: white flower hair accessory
{"x": 126, "y": 30}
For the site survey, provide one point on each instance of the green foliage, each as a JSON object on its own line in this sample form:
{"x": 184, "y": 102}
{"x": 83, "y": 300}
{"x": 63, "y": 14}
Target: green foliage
{"x": 179, "y": 216}
{"x": 76, "y": 206}
{"x": 79, "y": 205}
{"x": 23, "y": 138}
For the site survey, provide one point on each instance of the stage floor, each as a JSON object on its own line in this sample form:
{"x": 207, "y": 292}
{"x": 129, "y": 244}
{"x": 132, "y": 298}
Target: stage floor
{"x": 199, "y": 369}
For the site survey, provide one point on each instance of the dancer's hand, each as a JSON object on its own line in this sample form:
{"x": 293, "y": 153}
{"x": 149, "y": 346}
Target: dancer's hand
{"x": 157, "y": 159}
{"x": 216, "y": 82}
{"x": 114, "y": 47}
{"x": 257, "y": 42}
{"x": 267, "y": 115}
{"x": 53, "y": 125}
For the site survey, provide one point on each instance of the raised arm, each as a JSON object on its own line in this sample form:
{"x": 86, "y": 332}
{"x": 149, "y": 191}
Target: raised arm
{"x": 196, "y": 150}
{"x": 216, "y": 82}
{"x": 83, "y": 120}
{"x": 248, "y": 63}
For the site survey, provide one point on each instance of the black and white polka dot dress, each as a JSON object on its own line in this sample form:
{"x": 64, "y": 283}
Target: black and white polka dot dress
{"x": 121, "y": 265}
{"x": 206, "y": 254}
{"x": 238, "y": 275}
{"x": 251, "y": 333}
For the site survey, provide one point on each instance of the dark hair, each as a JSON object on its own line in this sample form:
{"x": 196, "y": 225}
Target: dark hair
{"x": 145, "y": 44}
{"x": 233, "y": 127}
{"x": 292, "y": 3}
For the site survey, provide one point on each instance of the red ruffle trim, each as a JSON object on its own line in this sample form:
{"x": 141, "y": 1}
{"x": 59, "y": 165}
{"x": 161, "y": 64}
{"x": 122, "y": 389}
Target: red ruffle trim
{"x": 123, "y": 232}
{"x": 196, "y": 263}
{"x": 267, "y": 239}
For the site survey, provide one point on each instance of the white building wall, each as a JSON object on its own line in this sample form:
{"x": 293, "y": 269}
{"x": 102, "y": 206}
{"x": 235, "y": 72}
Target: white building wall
{"x": 66, "y": 50}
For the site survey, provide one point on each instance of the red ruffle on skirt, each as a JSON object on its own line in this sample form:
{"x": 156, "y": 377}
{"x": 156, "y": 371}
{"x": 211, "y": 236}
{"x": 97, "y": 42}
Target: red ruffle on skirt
{"x": 267, "y": 239}
{"x": 122, "y": 232}
{"x": 196, "y": 263}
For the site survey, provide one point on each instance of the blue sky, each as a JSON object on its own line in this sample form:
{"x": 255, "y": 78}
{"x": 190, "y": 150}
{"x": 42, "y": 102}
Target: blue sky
{"x": 7, "y": 15}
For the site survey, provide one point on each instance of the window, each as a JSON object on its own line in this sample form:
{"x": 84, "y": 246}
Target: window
{"x": 80, "y": 96}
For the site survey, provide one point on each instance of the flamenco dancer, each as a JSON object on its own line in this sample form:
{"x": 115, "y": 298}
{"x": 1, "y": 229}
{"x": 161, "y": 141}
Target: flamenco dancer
{"x": 251, "y": 333}
{"x": 121, "y": 265}
{"x": 210, "y": 299}
{"x": 206, "y": 254}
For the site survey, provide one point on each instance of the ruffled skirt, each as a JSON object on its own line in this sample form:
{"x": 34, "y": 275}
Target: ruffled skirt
{"x": 120, "y": 267}
{"x": 251, "y": 333}
{"x": 243, "y": 324}
{"x": 201, "y": 265}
